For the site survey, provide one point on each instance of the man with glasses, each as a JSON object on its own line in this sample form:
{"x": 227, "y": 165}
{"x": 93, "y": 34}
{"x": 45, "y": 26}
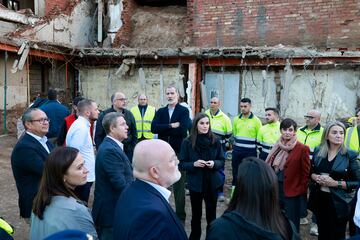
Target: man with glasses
{"x": 118, "y": 101}
{"x": 28, "y": 156}
{"x": 310, "y": 135}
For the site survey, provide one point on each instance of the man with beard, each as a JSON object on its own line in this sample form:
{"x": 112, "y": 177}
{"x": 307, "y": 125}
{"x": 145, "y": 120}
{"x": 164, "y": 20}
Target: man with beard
{"x": 79, "y": 137}
{"x": 171, "y": 123}
{"x": 143, "y": 210}
{"x": 245, "y": 130}
{"x": 269, "y": 133}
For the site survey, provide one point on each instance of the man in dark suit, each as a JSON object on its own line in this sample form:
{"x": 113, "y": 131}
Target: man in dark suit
{"x": 143, "y": 210}
{"x": 28, "y": 156}
{"x": 171, "y": 123}
{"x": 113, "y": 173}
{"x": 118, "y": 101}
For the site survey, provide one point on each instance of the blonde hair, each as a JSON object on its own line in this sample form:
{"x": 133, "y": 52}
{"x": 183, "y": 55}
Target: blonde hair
{"x": 325, "y": 145}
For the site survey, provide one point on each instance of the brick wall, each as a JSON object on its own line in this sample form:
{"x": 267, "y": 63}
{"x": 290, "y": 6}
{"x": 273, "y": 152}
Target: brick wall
{"x": 124, "y": 34}
{"x": 322, "y": 23}
{"x": 52, "y": 5}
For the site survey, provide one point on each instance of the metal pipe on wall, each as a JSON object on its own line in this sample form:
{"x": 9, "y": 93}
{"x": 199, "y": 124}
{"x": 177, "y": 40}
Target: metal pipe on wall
{"x": 5, "y": 93}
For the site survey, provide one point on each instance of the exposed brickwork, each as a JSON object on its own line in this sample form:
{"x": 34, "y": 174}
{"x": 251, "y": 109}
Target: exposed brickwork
{"x": 55, "y": 7}
{"x": 124, "y": 34}
{"x": 322, "y": 23}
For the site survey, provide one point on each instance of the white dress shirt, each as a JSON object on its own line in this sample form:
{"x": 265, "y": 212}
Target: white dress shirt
{"x": 42, "y": 140}
{"x": 79, "y": 137}
{"x": 357, "y": 211}
{"x": 163, "y": 191}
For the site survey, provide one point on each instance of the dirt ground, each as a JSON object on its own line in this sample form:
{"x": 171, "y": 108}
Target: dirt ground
{"x": 8, "y": 197}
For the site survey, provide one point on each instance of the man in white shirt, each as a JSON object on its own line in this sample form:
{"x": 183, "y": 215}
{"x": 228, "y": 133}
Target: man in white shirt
{"x": 79, "y": 137}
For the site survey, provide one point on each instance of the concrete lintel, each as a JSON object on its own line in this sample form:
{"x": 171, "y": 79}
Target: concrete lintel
{"x": 12, "y": 16}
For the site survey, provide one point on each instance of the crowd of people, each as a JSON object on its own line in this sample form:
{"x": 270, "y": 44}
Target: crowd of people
{"x": 135, "y": 158}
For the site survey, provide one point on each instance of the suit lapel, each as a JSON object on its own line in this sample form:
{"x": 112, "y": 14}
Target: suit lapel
{"x": 36, "y": 142}
{"x": 337, "y": 161}
{"x": 167, "y": 204}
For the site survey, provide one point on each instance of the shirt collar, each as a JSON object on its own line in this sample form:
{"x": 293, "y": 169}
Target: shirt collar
{"x": 40, "y": 139}
{"x": 117, "y": 141}
{"x": 81, "y": 118}
{"x": 250, "y": 116}
{"x": 163, "y": 191}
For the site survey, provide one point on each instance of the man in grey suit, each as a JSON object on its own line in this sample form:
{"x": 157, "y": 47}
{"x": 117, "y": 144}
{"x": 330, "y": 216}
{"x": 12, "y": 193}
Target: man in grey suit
{"x": 113, "y": 173}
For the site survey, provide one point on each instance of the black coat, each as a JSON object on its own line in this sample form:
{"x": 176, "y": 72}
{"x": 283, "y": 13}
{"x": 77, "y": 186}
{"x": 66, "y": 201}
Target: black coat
{"x": 129, "y": 143}
{"x": 27, "y": 162}
{"x": 113, "y": 172}
{"x": 232, "y": 225}
{"x": 195, "y": 175}
{"x": 161, "y": 125}
{"x": 345, "y": 168}
{"x": 143, "y": 213}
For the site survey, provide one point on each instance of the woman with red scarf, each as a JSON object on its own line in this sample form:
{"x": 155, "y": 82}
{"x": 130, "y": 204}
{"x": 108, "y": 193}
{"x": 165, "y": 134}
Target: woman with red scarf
{"x": 290, "y": 160}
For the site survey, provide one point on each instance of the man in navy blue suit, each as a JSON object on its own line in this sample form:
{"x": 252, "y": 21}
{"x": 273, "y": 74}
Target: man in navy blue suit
{"x": 113, "y": 173}
{"x": 171, "y": 123}
{"x": 28, "y": 156}
{"x": 143, "y": 210}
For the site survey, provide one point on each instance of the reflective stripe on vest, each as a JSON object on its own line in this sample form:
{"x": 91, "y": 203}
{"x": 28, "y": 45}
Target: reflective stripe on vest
{"x": 143, "y": 125}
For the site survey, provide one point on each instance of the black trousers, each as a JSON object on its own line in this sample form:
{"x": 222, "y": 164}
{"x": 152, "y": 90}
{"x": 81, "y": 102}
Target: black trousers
{"x": 330, "y": 227}
{"x": 237, "y": 158}
{"x": 196, "y": 199}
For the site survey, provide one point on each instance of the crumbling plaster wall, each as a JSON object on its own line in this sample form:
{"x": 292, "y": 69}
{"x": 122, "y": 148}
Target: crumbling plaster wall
{"x": 75, "y": 29}
{"x": 333, "y": 91}
{"x": 16, "y": 85}
{"x": 100, "y": 83}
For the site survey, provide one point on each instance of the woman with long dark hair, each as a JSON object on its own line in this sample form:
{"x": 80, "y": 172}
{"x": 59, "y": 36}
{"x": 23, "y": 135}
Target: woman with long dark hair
{"x": 201, "y": 156}
{"x": 290, "y": 161}
{"x": 335, "y": 173}
{"x": 56, "y": 207}
{"x": 254, "y": 211}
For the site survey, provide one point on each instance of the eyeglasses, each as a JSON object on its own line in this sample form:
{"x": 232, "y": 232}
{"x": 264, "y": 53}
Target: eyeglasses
{"x": 41, "y": 120}
{"x": 121, "y": 99}
{"x": 309, "y": 117}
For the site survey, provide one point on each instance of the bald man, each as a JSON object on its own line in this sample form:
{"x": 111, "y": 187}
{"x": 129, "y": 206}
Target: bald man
{"x": 310, "y": 135}
{"x": 143, "y": 210}
{"x": 143, "y": 114}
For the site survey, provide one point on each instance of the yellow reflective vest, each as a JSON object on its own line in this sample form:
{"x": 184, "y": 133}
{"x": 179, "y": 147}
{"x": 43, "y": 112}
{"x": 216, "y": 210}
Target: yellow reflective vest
{"x": 143, "y": 124}
{"x": 310, "y": 137}
{"x": 267, "y": 136}
{"x": 220, "y": 124}
{"x": 352, "y": 139}
{"x": 245, "y": 131}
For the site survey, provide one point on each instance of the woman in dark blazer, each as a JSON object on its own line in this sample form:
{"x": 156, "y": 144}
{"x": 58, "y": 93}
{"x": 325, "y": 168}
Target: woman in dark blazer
{"x": 201, "y": 156}
{"x": 290, "y": 160}
{"x": 335, "y": 173}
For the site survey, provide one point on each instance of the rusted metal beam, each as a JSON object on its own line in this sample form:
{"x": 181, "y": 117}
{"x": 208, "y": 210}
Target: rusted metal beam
{"x": 34, "y": 52}
{"x": 280, "y": 61}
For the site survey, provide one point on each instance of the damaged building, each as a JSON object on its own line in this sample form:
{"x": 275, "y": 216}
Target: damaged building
{"x": 291, "y": 55}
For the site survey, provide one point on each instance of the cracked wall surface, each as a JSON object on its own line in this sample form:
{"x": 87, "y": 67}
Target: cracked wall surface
{"x": 75, "y": 29}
